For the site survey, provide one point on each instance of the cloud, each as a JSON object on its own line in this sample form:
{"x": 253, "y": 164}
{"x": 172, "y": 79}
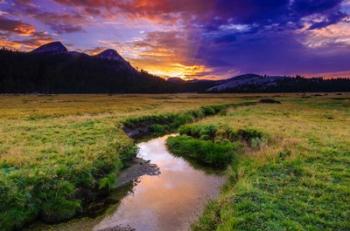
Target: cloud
{"x": 59, "y": 22}
{"x": 196, "y": 38}
{"x": 25, "y": 43}
{"x": 333, "y": 34}
{"x": 16, "y": 27}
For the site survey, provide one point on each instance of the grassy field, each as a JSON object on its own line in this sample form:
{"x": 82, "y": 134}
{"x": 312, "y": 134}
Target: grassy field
{"x": 54, "y": 146}
{"x": 57, "y": 150}
{"x": 300, "y": 180}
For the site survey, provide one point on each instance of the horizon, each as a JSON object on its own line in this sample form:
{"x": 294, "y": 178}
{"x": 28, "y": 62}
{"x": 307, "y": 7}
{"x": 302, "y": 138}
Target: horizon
{"x": 191, "y": 39}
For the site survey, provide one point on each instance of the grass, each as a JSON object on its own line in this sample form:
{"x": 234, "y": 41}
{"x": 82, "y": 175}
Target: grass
{"x": 215, "y": 154}
{"x": 58, "y": 153}
{"x": 57, "y": 150}
{"x": 156, "y": 125}
{"x": 213, "y": 145}
{"x": 299, "y": 181}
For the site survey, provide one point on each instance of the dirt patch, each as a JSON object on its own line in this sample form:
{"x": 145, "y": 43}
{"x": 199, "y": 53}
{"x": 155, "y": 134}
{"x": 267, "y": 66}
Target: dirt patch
{"x": 139, "y": 167}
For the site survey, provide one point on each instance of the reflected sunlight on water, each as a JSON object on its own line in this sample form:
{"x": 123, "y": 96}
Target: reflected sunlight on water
{"x": 169, "y": 201}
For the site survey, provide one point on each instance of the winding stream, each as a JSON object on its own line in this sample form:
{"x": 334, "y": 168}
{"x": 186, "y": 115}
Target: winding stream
{"x": 171, "y": 200}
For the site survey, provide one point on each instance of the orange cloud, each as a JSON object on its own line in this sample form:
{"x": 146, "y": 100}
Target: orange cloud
{"x": 36, "y": 39}
{"x": 14, "y": 26}
{"x": 25, "y": 30}
{"x": 10, "y": 44}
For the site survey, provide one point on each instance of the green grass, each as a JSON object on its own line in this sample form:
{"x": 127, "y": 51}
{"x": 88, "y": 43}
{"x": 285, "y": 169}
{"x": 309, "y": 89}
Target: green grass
{"x": 299, "y": 181}
{"x": 213, "y": 145}
{"x": 250, "y": 136}
{"x": 215, "y": 154}
{"x": 58, "y": 153}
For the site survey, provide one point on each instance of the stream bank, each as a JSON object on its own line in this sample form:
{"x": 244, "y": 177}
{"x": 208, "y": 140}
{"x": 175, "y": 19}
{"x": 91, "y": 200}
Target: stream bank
{"x": 170, "y": 197}
{"x": 150, "y": 126}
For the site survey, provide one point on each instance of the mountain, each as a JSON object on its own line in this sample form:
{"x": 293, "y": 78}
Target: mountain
{"x": 246, "y": 82}
{"x": 52, "y": 68}
{"x": 258, "y": 83}
{"x": 175, "y": 80}
{"x": 51, "y": 48}
{"x": 110, "y": 54}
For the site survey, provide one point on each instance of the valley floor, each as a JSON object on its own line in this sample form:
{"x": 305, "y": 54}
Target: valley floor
{"x": 54, "y": 146}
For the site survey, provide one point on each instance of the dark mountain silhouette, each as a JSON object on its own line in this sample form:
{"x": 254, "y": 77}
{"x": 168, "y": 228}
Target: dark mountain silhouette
{"x": 51, "y": 48}
{"x": 258, "y": 83}
{"x": 51, "y": 68}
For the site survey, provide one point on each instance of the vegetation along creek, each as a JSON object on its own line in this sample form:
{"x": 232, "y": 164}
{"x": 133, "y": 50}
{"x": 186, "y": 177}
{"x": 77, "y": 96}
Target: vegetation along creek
{"x": 169, "y": 200}
{"x": 158, "y": 190}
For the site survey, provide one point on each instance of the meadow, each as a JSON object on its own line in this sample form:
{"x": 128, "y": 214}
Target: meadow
{"x": 299, "y": 179}
{"x": 56, "y": 151}
{"x": 59, "y": 153}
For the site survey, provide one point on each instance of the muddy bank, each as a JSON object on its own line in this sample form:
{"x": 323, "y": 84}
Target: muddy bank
{"x": 138, "y": 167}
{"x": 164, "y": 192}
{"x": 139, "y": 128}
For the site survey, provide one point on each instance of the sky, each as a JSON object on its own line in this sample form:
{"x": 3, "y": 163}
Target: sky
{"x": 192, "y": 39}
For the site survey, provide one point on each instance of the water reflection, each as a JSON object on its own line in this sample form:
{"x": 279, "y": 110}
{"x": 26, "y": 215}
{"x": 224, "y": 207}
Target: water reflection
{"x": 169, "y": 201}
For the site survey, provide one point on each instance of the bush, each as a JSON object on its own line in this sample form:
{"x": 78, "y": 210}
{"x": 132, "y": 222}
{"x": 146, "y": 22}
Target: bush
{"x": 204, "y": 151}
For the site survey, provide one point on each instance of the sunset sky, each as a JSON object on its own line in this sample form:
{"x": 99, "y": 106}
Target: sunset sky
{"x": 192, "y": 38}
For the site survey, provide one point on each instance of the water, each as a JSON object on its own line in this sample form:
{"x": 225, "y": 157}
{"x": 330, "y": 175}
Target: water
{"x": 172, "y": 200}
